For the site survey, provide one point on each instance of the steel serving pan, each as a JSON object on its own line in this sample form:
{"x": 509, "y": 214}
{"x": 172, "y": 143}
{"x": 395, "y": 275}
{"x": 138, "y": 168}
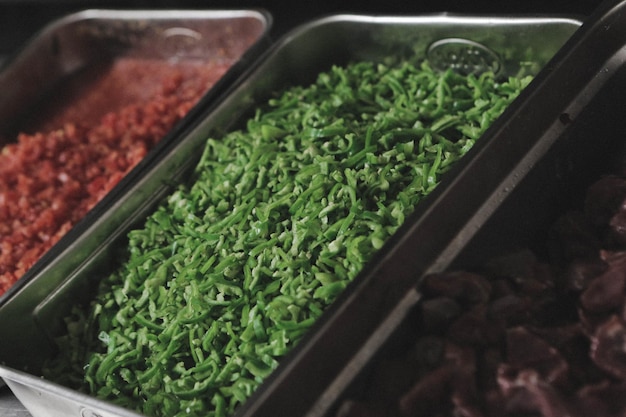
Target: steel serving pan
{"x": 78, "y": 45}
{"x": 561, "y": 139}
{"x": 32, "y": 317}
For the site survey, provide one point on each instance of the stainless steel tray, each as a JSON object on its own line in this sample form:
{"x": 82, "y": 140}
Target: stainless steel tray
{"x": 10, "y": 405}
{"x": 75, "y": 46}
{"x": 566, "y": 136}
{"x": 31, "y": 317}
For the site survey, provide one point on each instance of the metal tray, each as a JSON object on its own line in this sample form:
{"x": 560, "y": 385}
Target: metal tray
{"x": 30, "y": 318}
{"x": 77, "y": 46}
{"x": 560, "y": 140}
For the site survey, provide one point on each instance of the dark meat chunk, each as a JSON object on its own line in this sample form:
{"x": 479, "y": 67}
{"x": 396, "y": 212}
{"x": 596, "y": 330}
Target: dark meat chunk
{"x": 608, "y": 347}
{"x": 438, "y": 313}
{"x": 474, "y": 329}
{"x": 467, "y": 288}
{"x": 605, "y": 198}
{"x": 448, "y": 387}
{"x": 526, "y": 350}
{"x": 604, "y": 399}
{"x": 527, "y": 393}
{"x": 606, "y": 293}
{"x": 580, "y": 272}
{"x": 528, "y": 337}
{"x": 573, "y": 236}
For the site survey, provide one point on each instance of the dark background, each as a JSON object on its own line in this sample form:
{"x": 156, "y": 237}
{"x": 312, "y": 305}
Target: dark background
{"x": 21, "y": 19}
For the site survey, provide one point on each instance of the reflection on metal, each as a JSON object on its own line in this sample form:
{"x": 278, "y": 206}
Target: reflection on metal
{"x": 463, "y": 56}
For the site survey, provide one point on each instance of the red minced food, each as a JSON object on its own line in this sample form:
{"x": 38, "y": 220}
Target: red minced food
{"x": 81, "y": 144}
{"x": 522, "y": 335}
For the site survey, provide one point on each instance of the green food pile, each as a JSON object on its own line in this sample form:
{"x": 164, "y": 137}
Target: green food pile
{"x": 232, "y": 269}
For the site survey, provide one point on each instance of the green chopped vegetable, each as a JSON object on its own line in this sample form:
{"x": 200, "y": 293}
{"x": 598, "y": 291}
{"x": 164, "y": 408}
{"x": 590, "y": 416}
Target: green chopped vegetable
{"x": 233, "y": 268}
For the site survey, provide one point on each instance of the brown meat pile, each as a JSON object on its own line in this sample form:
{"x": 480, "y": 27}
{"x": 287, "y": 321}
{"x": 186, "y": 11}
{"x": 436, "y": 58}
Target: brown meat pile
{"x": 50, "y": 179}
{"x": 521, "y": 337}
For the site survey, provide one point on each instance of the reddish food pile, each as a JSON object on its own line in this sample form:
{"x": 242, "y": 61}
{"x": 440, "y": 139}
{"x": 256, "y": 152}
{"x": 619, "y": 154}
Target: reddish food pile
{"x": 522, "y": 336}
{"x": 85, "y": 142}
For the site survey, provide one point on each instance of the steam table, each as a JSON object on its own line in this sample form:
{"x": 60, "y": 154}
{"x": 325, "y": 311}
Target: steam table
{"x": 19, "y": 20}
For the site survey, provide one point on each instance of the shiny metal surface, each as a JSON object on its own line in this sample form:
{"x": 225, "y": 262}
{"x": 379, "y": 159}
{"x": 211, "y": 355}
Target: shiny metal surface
{"x": 40, "y": 398}
{"x": 84, "y": 42}
{"x": 34, "y": 315}
{"x": 92, "y": 37}
{"x": 10, "y": 405}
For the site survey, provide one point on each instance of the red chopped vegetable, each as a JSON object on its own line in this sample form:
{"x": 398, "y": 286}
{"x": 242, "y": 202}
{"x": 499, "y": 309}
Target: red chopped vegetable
{"x": 85, "y": 145}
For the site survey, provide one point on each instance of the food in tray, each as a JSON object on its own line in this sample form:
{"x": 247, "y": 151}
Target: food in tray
{"x": 81, "y": 143}
{"x": 233, "y": 268}
{"x": 524, "y": 335}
